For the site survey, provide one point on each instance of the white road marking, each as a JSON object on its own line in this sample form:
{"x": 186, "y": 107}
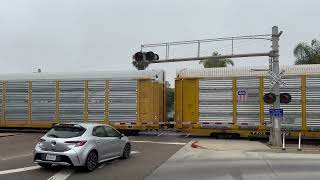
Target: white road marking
{"x": 156, "y": 142}
{"x": 10, "y": 171}
{"x": 160, "y": 134}
{"x": 102, "y": 165}
{"x": 134, "y": 152}
{"x": 16, "y": 157}
{"x": 63, "y": 174}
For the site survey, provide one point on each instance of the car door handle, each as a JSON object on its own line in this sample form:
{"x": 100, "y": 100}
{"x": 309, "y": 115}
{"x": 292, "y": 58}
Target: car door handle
{"x": 97, "y": 141}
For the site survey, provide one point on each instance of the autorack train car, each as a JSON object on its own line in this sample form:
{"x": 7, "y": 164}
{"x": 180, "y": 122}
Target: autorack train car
{"x": 229, "y": 101}
{"x": 130, "y": 101}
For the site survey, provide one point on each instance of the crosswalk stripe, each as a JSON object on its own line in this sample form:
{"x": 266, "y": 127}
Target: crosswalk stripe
{"x": 157, "y": 142}
{"x": 10, "y": 171}
{"x": 63, "y": 174}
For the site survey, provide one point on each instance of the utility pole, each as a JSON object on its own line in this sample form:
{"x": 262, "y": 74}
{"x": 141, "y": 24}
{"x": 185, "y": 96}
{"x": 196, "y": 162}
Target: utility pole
{"x": 276, "y": 125}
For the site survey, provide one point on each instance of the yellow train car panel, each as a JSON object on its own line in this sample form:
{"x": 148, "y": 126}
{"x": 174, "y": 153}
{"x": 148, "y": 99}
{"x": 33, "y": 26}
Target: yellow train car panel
{"x": 145, "y": 101}
{"x": 303, "y": 104}
{"x": 162, "y": 102}
{"x": 156, "y": 101}
{"x": 234, "y": 103}
{"x": 178, "y": 117}
{"x": 190, "y": 101}
{"x": 261, "y": 103}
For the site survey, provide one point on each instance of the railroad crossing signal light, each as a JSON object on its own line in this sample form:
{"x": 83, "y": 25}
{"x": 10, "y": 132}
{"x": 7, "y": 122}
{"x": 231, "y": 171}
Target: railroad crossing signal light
{"x": 138, "y": 56}
{"x": 141, "y": 60}
{"x": 285, "y": 98}
{"x": 151, "y": 56}
{"x": 145, "y": 56}
{"x": 269, "y": 98}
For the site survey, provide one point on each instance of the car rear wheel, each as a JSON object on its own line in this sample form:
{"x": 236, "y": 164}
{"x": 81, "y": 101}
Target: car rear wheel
{"x": 92, "y": 161}
{"x": 45, "y": 165}
{"x": 126, "y": 151}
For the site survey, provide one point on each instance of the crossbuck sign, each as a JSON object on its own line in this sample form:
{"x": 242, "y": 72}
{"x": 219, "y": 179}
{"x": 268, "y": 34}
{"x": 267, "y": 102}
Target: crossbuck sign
{"x": 276, "y": 78}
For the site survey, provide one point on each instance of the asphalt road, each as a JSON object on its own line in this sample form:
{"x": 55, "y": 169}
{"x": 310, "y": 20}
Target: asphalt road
{"x": 149, "y": 153}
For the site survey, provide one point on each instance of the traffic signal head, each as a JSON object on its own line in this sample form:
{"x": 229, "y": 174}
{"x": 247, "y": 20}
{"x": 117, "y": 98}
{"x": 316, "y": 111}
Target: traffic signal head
{"x": 285, "y": 98}
{"x": 150, "y": 56}
{"x": 269, "y": 98}
{"x": 138, "y": 56}
{"x": 141, "y": 60}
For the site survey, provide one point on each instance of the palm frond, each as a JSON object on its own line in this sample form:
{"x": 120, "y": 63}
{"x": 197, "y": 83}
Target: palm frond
{"x": 315, "y": 46}
{"x": 303, "y": 53}
{"x": 229, "y": 61}
{"x": 301, "y": 49}
{"x": 212, "y": 63}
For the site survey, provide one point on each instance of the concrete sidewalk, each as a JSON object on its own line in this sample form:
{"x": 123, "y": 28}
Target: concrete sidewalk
{"x": 236, "y": 160}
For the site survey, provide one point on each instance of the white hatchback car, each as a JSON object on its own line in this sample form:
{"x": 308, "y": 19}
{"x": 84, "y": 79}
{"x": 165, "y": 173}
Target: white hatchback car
{"x": 82, "y": 144}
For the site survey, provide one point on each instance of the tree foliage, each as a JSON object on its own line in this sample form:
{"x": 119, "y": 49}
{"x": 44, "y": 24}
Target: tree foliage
{"x": 212, "y": 63}
{"x": 307, "y": 54}
{"x": 170, "y": 99}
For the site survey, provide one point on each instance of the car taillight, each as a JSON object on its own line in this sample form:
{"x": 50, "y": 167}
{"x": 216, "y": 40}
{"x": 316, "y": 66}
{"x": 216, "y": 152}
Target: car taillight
{"x": 76, "y": 143}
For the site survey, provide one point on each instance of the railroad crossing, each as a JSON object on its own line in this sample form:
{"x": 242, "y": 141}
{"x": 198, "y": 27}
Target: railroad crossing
{"x": 142, "y": 59}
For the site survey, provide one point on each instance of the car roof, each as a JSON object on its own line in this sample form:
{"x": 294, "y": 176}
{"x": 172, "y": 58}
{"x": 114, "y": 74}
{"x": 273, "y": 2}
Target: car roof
{"x": 85, "y": 125}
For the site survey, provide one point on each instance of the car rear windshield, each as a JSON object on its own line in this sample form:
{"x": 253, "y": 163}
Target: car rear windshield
{"x": 66, "y": 131}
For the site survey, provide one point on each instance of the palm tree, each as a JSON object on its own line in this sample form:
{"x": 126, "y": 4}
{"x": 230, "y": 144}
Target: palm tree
{"x": 307, "y": 54}
{"x": 211, "y": 63}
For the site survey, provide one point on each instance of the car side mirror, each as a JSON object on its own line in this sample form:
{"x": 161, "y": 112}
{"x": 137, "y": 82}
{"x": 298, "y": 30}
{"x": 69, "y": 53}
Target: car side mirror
{"x": 121, "y": 136}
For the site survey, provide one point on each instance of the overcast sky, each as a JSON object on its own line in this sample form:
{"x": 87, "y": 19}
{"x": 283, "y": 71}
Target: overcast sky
{"x": 102, "y": 35}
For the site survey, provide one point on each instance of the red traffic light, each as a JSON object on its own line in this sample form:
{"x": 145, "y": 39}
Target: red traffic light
{"x": 138, "y": 56}
{"x": 269, "y": 98}
{"x": 285, "y": 98}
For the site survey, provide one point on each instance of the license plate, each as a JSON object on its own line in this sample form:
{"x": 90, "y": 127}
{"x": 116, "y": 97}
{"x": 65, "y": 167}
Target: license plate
{"x": 50, "y": 157}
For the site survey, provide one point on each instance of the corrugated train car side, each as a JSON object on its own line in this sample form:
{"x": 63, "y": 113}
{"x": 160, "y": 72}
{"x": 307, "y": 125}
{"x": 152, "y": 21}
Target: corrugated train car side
{"x": 130, "y": 101}
{"x": 207, "y": 101}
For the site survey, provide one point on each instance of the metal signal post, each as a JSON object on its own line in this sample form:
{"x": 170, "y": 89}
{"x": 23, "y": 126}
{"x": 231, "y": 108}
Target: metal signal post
{"x": 275, "y": 134}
